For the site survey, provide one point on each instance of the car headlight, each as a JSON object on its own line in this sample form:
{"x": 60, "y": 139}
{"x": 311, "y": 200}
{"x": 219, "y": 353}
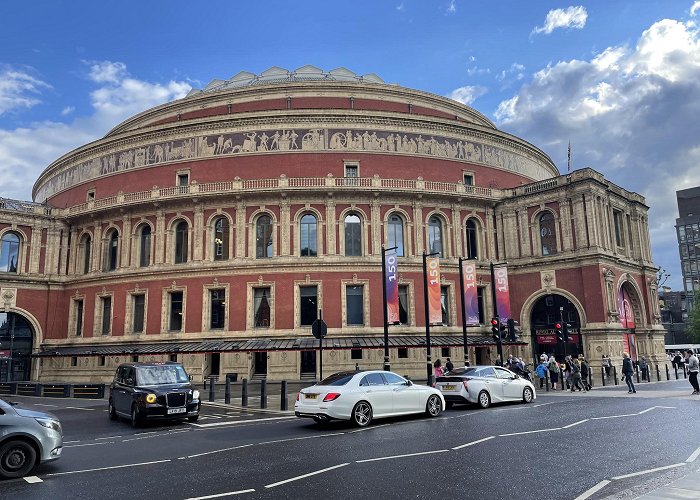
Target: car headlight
{"x": 195, "y": 394}
{"x": 49, "y": 423}
{"x": 150, "y": 398}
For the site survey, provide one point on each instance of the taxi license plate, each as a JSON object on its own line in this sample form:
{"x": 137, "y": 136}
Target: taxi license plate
{"x": 311, "y": 396}
{"x": 447, "y": 387}
{"x": 176, "y": 410}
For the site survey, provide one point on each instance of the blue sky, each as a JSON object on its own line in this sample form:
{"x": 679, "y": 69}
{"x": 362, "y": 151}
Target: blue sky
{"x": 619, "y": 79}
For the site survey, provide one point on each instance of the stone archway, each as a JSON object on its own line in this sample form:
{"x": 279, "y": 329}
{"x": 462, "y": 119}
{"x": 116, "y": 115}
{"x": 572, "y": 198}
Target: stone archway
{"x": 16, "y": 343}
{"x": 631, "y": 314}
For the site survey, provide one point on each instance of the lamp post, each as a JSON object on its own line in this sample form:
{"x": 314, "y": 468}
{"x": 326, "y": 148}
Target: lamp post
{"x": 387, "y": 364}
{"x": 561, "y": 320}
{"x": 429, "y": 363}
{"x": 12, "y": 342}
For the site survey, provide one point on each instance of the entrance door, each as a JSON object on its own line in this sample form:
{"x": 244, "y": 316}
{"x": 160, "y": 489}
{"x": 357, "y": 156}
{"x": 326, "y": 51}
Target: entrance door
{"x": 260, "y": 363}
{"x": 16, "y": 338}
{"x": 214, "y": 360}
{"x": 308, "y": 362}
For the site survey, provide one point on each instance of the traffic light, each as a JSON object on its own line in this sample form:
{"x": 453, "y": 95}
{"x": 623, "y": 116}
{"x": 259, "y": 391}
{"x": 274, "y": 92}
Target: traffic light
{"x": 559, "y": 332}
{"x": 566, "y": 327}
{"x": 511, "y": 330}
{"x": 495, "y": 328}
{"x": 502, "y": 331}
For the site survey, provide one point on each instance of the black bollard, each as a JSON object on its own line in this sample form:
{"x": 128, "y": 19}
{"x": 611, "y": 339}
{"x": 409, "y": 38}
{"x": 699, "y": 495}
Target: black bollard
{"x": 227, "y": 392}
{"x": 244, "y": 393}
{"x": 615, "y": 375}
{"x": 668, "y": 375}
{"x": 675, "y": 369}
{"x": 602, "y": 375}
{"x": 546, "y": 380}
{"x": 212, "y": 390}
{"x": 283, "y": 396}
{"x": 658, "y": 374}
{"x": 685, "y": 373}
{"x": 590, "y": 378}
{"x": 263, "y": 394}
{"x": 636, "y": 371}
{"x": 561, "y": 377}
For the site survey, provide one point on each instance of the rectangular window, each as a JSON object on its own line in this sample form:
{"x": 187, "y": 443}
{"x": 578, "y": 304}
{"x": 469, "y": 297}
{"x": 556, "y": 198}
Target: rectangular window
{"x": 482, "y": 307}
{"x": 619, "y": 235}
{"x": 91, "y": 195}
{"x": 74, "y": 361}
{"x": 445, "y": 352}
{"x": 354, "y": 302}
{"x": 444, "y": 303}
{"x": 403, "y": 304}
{"x": 106, "y": 315}
{"x": 175, "y": 323}
{"x": 403, "y": 353}
{"x": 352, "y": 171}
{"x": 134, "y": 359}
{"x": 101, "y": 361}
{"x": 139, "y": 310}
{"x": 681, "y": 233}
{"x": 183, "y": 181}
{"x": 355, "y": 353}
{"x": 261, "y": 307}
{"x": 468, "y": 179}
{"x": 308, "y": 309}
{"x": 218, "y": 308}
{"x": 173, "y": 358}
{"x": 78, "y": 318}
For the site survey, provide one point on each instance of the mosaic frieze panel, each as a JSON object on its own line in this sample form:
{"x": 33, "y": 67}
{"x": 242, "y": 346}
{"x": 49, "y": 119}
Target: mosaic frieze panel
{"x": 280, "y": 140}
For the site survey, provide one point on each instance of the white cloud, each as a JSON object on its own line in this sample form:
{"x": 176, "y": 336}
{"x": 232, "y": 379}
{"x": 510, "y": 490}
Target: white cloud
{"x": 452, "y": 7}
{"x": 631, "y": 113}
{"x": 467, "y": 94}
{"x": 571, "y": 17}
{"x": 516, "y": 72}
{"x": 401, "y": 7}
{"x": 695, "y": 8}
{"x": 18, "y": 89}
{"x": 26, "y": 152}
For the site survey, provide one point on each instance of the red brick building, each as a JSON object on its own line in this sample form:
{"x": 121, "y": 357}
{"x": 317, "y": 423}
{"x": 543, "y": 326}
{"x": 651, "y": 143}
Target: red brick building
{"x": 214, "y": 229}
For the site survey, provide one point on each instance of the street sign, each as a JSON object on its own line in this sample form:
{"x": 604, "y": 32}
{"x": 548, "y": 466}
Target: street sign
{"x": 319, "y": 329}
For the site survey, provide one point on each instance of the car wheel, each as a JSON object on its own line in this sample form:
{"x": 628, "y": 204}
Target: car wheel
{"x": 484, "y": 399}
{"x": 434, "y": 406}
{"x": 111, "y": 411}
{"x": 193, "y": 419}
{"x": 17, "y": 458}
{"x": 362, "y": 414}
{"x": 135, "y": 419}
{"x": 527, "y": 395}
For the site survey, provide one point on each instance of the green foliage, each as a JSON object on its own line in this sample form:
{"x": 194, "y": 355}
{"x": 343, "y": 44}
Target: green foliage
{"x": 694, "y": 324}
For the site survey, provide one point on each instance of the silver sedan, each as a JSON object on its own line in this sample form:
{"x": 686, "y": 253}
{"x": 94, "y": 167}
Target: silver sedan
{"x": 484, "y": 385}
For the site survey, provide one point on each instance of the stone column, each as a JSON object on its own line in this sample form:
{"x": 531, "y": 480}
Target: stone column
{"x": 35, "y": 248}
{"x": 125, "y": 250}
{"x": 490, "y": 242}
{"x": 160, "y": 237}
{"x": 97, "y": 249}
{"x": 567, "y": 242}
{"x": 198, "y": 233}
{"x": 458, "y": 229}
{"x": 376, "y": 220}
{"x": 331, "y": 227}
{"x": 418, "y": 226}
{"x": 524, "y": 223}
{"x": 285, "y": 227}
{"x": 241, "y": 229}
{"x": 510, "y": 243}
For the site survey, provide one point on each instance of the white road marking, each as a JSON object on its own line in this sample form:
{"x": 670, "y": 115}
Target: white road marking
{"x": 472, "y": 443}
{"x": 302, "y": 438}
{"x": 615, "y": 416}
{"x": 400, "y": 456}
{"x": 368, "y": 428}
{"x": 138, "y": 438}
{"x": 594, "y": 489}
{"x": 230, "y": 493}
{"x": 108, "y": 468}
{"x": 545, "y": 404}
{"x": 218, "y": 451}
{"x": 694, "y": 456}
{"x": 219, "y": 424}
{"x": 575, "y": 424}
{"x": 305, "y": 475}
{"x": 108, "y": 437}
{"x": 39, "y": 404}
{"x": 529, "y": 432}
{"x": 32, "y": 479}
{"x": 68, "y": 442}
{"x": 649, "y": 471}
{"x": 87, "y": 444}
{"x": 261, "y": 443}
{"x": 78, "y": 408}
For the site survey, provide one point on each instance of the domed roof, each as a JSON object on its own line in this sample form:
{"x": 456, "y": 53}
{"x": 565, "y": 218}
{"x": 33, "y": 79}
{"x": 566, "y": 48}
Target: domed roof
{"x": 276, "y": 74}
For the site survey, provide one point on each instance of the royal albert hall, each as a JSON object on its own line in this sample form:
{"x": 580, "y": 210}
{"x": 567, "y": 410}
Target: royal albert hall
{"x": 215, "y": 229}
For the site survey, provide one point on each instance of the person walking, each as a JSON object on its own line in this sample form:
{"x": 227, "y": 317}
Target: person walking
{"x": 576, "y": 376}
{"x": 627, "y": 372}
{"x": 449, "y": 366}
{"x": 585, "y": 371}
{"x": 553, "y": 368}
{"x": 542, "y": 372}
{"x": 693, "y": 369}
{"x": 644, "y": 367}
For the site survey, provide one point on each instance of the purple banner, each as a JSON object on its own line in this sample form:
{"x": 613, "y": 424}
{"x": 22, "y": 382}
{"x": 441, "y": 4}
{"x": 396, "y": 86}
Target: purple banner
{"x": 502, "y": 293}
{"x": 471, "y": 302}
{"x": 434, "y": 298}
{"x": 391, "y": 282}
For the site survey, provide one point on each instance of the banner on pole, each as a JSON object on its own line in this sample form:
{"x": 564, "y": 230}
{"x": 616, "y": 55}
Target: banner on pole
{"x": 391, "y": 282}
{"x": 434, "y": 298}
{"x": 502, "y": 293}
{"x": 471, "y": 301}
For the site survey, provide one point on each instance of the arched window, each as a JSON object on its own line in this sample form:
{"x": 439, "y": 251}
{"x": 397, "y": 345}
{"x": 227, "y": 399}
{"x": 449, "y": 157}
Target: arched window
{"x": 86, "y": 252}
{"x": 353, "y": 236}
{"x": 470, "y": 242}
{"x": 396, "y": 234}
{"x": 548, "y": 234}
{"x": 181, "y": 242}
{"x": 145, "y": 246}
{"x": 9, "y": 253}
{"x": 112, "y": 251}
{"x": 308, "y": 236}
{"x": 435, "y": 236}
{"x": 221, "y": 238}
{"x": 263, "y": 237}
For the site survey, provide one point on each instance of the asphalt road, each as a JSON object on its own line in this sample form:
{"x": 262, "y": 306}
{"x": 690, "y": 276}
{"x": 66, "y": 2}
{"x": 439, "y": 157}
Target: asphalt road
{"x": 560, "y": 446}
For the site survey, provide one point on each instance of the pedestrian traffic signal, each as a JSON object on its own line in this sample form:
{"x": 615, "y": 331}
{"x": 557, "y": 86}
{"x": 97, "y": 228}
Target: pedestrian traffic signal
{"x": 559, "y": 332}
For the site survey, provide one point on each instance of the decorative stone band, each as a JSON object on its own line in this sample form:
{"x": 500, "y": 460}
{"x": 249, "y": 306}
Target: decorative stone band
{"x": 294, "y": 140}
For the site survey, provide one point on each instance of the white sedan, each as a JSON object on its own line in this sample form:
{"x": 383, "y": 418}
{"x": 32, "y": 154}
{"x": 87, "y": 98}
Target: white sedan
{"x": 484, "y": 385}
{"x": 366, "y": 395}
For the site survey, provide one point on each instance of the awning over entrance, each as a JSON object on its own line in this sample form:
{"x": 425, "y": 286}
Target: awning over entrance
{"x": 249, "y": 345}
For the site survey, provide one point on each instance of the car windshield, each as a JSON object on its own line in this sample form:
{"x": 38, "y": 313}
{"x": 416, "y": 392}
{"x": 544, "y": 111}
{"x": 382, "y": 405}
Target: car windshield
{"x": 337, "y": 379}
{"x": 162, "y": 374}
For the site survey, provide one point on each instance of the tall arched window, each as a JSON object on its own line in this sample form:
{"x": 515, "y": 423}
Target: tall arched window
{"x": 86, "y": 250}
{"x": 353, "y": 236}
{"x": 435, "y": 236}
{"x": 308, "y": 236}
{"x": 112, "y": 251}
{"x": 263, "y": 237}
{"x": 9, "y": 253}
{"x": 396, "y": 234}
{"x": 470, "y": 241}
{"x": 548, "y": 234}
{"x": 181, "y": 242}
{"x": 145, "y": 246}
{"x": 221, "y": 238}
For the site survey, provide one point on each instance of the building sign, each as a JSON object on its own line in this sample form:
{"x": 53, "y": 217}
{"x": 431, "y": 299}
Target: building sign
{"x": 471, "y": 301}
{"x": 391, "y": 282}
{"x": 502, "y": 293}
{"x": 546, "y": 339}
{"x": 434, "y": 298}
{"x": 4, "y": 353}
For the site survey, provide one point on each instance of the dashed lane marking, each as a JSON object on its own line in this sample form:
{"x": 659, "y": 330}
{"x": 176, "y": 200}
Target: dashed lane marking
{"x": 400, "y": 456}
{"x": 473, "y": 443}
{"x": 108, "y": 437}
{"x": 219, "y": 495}
{"x": 650, "y": 471}
{"x": 694, "y": 456}
{"x": 235, "y": 422}
{"x": 589, "y": 492}
{"x": 575, "y": 424}
{"x": 87, "y": 444}
{"x": 530, "y": 432}
{"x": 32, "y": 479}
{"x": 262, "y": 443}
{"x": 78, "y": 408}
{"x": 279, "y": 483}
{"x": 108, "y": 468}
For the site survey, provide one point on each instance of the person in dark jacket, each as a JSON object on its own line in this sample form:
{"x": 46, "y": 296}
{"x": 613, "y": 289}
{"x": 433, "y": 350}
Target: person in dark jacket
{"x": 449, "y": 366}
{"x": 584, "y": 373}
{"x": 627, "y": 372}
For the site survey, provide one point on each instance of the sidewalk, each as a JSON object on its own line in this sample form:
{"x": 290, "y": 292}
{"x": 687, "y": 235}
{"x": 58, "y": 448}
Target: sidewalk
{"x": 687, "y": 487}
{"x": 676, "y": 389}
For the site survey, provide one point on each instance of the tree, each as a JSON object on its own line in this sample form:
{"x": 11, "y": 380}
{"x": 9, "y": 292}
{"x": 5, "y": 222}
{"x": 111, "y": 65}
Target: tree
{"x": 693, "y": 325}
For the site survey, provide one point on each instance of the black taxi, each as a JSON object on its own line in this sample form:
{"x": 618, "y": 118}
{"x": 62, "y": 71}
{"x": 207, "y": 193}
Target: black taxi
{"x": 143, "y": 391}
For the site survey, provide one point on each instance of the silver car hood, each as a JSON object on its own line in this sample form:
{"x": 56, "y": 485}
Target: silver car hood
{"x": 22, "y": 412}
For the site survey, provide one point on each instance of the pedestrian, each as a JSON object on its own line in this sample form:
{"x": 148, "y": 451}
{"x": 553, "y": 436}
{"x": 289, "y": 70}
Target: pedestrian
{"x": 575, "y": 375}
{"x": 553, "y": 367}
{"x": 585, "y": 372}
{"x": 542, "y": 372}
{"x": 627, "y": 372}
{"x": 607, "y": 365}
{"x": 438, "y": 368}
{"x": 693, "y": 369}
{"x": 644, "y": 367}
{"x": 677, "y": 361}
{"x": 449, "y": 366}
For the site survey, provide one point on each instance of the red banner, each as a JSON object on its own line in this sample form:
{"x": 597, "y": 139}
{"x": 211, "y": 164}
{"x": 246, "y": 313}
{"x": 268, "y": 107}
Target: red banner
{"x": 434, "y": 298}
{"x": 624, "y": 307}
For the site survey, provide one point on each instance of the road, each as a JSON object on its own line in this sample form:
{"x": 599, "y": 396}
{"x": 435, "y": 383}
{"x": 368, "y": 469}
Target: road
{"x": 560, "y": 446}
